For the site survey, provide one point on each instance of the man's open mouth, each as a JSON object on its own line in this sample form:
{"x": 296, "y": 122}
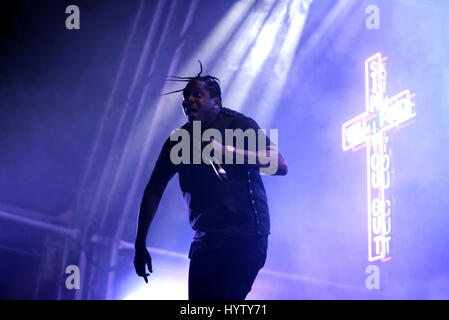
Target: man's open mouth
{"x": 192, "y": 112}
{"x": 192, "y": 115}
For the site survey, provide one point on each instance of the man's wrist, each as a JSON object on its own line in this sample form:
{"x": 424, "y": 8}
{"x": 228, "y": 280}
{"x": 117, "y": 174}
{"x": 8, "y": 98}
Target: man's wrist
{"x": 230, "y": 149}
{"x": 139, "y": 244}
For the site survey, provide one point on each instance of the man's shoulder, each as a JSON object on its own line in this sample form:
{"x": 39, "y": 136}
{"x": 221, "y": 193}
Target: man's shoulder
{"x": 239, "y": 120}
{"x": 185, "y": 126}
{"x": 231, "y": 113}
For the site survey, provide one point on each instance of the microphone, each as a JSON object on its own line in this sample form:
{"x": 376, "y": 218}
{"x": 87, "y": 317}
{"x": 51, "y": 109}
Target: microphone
{"x": 219, "y": 171}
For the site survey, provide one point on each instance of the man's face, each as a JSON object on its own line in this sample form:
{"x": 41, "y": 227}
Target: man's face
{"x": 198, "y": 105}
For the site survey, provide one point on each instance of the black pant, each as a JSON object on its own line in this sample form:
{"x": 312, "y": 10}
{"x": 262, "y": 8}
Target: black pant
{"x": 225, "y": 269}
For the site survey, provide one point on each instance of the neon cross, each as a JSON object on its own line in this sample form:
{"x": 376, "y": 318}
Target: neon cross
{"x": 369, "y": 130}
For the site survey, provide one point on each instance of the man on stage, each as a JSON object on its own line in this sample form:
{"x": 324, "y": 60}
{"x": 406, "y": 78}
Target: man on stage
{"x": 226, "y": 200}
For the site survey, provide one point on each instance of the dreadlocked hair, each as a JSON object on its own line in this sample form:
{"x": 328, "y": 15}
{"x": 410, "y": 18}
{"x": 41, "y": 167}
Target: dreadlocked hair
{"x": 212, "y": 83}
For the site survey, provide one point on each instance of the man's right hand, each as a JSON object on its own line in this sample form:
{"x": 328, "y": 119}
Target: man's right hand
{"x": 142, "y": 259}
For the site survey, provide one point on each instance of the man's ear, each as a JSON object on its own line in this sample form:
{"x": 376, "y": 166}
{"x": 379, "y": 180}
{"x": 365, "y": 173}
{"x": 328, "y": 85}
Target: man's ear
{"x": 216, "y": 103}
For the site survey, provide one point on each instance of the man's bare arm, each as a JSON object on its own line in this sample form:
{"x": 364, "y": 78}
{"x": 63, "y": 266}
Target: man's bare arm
{"x": 148, "y": 208}
{"x": 265, "y": 159}
{"x": 162, "y": 173}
